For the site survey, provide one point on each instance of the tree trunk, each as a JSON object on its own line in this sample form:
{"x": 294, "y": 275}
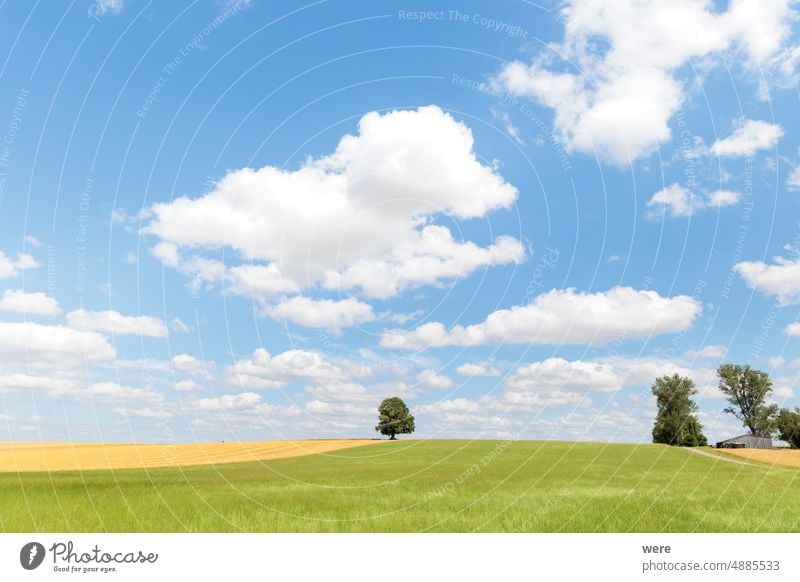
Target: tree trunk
{"x": 392, "y": 437}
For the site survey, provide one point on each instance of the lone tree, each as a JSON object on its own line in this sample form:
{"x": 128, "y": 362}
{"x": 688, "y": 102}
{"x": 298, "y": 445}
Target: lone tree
{"x": 394, "y": 418}
{"x": 787, "y": 424}
{"x": 747, "y": 390}
{"x": 675, "y": 422}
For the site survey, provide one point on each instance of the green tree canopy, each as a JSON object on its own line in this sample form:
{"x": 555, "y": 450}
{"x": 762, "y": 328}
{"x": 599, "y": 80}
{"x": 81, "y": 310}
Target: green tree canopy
{"x": 747, "y": 390}
{"x": 787, "y": 424}
{"x": 675, "y": 422}
{"x": 394, "y": 418}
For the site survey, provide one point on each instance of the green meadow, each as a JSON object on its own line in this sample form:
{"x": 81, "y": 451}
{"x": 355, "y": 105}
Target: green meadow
{"x": 419, "y": 486}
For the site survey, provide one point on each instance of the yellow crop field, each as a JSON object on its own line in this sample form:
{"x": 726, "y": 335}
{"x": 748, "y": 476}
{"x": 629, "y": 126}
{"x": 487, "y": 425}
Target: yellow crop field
{"x": 787, "y": 457}
{"x": 53, "y": 456}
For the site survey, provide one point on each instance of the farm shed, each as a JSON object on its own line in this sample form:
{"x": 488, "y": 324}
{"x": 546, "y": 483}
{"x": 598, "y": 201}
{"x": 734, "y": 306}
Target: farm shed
{"x": 746, "y": 441}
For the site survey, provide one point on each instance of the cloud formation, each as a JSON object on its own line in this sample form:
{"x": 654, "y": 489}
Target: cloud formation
{"x": 29, "y": 303}
{"x": 779, "y": 279}
{"x": 680, "y": 202}
{"x": 262, "y": 370}
{"x": 748, "y": 137}
{"x": 354, "y": 219}
{"x": 10, "y": 269}
{"x": 114, "y": 322}
{"x": 615, "y": 84}
{"x": 322, "y": 313}
{"x": 562, "y": 317}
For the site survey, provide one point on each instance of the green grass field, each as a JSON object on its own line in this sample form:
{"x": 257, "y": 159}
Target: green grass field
{"x": 411, "y": 486}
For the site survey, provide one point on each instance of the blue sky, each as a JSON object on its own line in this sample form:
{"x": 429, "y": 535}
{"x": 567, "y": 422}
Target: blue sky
{"x": 252, "y": 220}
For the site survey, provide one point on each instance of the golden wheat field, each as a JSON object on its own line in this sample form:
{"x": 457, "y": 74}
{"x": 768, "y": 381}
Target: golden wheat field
{"x": 54, "y": 456}
{"x": 786, "y": 457}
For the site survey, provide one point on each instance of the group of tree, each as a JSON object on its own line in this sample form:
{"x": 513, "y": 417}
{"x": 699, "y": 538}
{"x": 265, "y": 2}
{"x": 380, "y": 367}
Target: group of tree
{"x": 676, "y": 420}
{"x": 746, "y": 391}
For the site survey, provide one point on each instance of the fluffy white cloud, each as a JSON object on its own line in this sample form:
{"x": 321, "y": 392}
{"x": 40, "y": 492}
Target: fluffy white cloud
{"x": 353, "y": 404}
{"x": 186, "y": 386}
{"x": 19, "y": 381}
{"x": 142, "y": 412}
{"x": 167, "y": 253}
{"x": 189, "y": 364}
{"x": 476, "y": 414}
{"x": 456, "y": 405}
{"x": 25, "y": 261}
{"x": 478, "y": 370}
{"x": 628, "y": 52}
{"x": 557, "y": 382}
{"x": 777, "y": 361}
{"x": 322, "y": 313}
{"x": 784, "y": 390}
{"x": 104, "y": 6}
{"x": 259, "y": 280}
{"x": 116, "y": 323}
{"x": 10, "y": 269}
{"x": 228, "y": 402}
{"x": 556, "y": 374}
{"x": 263, "y": 370}
{"x": 708, "y": 353}
{"x": 780, "y": 279}
{"x": 179, "y": 326}
{"x": 674, "y": 200}
{"x": 433, "y": 380}
{"x": 723, "y": 198}
{"x": 749, "y": 137}
{"x": 30, "y": 344}
{"x": 149, "y": 364}
{"x": 253, "y": 280}
{"x": 617, "y": 424}
{"x": 793, "y": 181}
{"x": 793, "y": 329}
{"x": 680, "y": 202}
{"x": 29, "y": 303}
{"x": 366, "y": 202}
{"x": 76, "y": 388}
{"x": 425, "y": 258}
{"x": 562, "y": 317}
{"x": 106, "y": 393}
{"x": 237, "y": 411}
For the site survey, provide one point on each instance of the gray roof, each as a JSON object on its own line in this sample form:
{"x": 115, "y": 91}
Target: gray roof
{"x": 746, "y": 436}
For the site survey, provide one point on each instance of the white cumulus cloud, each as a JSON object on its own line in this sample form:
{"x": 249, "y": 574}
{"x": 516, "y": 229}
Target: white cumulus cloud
{"x": 10, "y": 269}
{"x": 263, "y": 370}
{"x": 478, "y": 370}
{"x": 793, "y": 329}
{"x": 322, "y": 313}
{"x": 680, "y": 202}
{"x": 115, "y": 323}
{"x": 186, "y": 386}
{"x": 627, "y": 53}
{"x": 363, "y": 207}
{"x": 30, "y": 344}
{"x": 780, "y": 279}
{"x": 562, "y": 317}
{"x": 426, "y": 257}
{"x": 188, "y": 363}
{"x": 433, "y": 380}
{"x": 793, "y": 181}
{"x": 749, "y": 137}
{"x": 29, "y": 303}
